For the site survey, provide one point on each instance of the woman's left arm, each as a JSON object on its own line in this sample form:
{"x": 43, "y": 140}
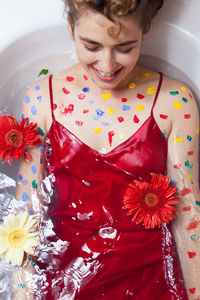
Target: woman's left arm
{"x": 183, "y": 168}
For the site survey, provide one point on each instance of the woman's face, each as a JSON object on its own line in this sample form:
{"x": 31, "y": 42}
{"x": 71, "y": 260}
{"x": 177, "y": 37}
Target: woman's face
{"x": 107, "y": 60}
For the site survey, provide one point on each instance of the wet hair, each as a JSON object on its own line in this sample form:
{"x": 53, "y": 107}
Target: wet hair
{"x": 145, "y": 9}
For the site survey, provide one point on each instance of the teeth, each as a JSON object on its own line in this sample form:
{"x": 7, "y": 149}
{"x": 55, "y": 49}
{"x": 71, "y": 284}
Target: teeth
{"x": 106, "y": 75}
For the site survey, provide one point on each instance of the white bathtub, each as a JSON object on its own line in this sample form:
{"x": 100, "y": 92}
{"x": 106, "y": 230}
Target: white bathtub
{"x": 40, "y": 40}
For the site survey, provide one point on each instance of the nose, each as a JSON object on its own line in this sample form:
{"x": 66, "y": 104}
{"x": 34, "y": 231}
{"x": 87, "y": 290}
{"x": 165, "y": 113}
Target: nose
{"x": 107, "y": 61}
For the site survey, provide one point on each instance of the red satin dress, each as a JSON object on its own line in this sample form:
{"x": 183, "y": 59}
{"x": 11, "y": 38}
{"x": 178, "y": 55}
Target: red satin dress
{"x": 107, "y": 255}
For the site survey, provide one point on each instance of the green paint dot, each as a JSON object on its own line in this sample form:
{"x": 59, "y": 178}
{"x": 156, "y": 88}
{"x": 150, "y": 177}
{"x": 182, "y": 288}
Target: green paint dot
{"x": 41, "y": 131}
{"x": 197, "y": 203}
{"x": 32, "y": 261}
{"x": 185, "y": 100}
{"x": 189, "y": 138}
{"x": 43, "y": 72}
{"x": 163, "y": 133}
{"x": 188, "y": 165}
{"x": 21, "y": 285}
{"x": 194, "y": 237}
{"x": 41, "y": 161}
{"x": 174, "y": 93}
{"x": 34, "y": 184}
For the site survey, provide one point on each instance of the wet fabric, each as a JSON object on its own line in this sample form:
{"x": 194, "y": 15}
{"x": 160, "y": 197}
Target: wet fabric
{"x": 107, "y": 255}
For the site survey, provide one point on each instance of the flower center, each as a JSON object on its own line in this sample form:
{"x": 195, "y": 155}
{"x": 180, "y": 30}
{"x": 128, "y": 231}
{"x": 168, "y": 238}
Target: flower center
{"x": 14, "y": 138}
{"x": 151, "y": 199}
{"x": 16, "y": 238}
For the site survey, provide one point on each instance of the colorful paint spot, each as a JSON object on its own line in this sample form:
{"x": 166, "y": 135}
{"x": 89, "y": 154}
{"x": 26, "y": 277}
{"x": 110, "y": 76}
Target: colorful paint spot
{"x": 183, "y": 89}
{"x": 188, "y": 165}
{"x": 178, "y": 166}
{"x": 189, "y": 138}
{"x": 81, "y": 96}
{"x": 140, "y": 107}
{"x": 194, "y": 237}
{"x": 37, "y": 87}
{"x": 191, "y": 97}
{"x": 91, "y": 101}
{"x": 177, "y": 105}
{"x": 136, "y": 119}
{"x": 27, "y": 99}
{"x": 110, "y": 136}
{"x": 99, "y": 112}
{"x": 41, "y": 131}
{"x": 178, "y": 140}
{"x": 192, "y": 225}
{"x": 120, "y": 119}
{"x": 69, "y": 109}
{"x": 191, "y": 254}
{"x": 187, "y": 116}
{"x": 86, "y": 89}
{"x": 24, "y": 182}
{"x": 185, "y": 191}
{"x": 137, "y": 78}
{"x": 20, "y": 177}
{"x": 187, "y": 208}
{"x": 97, "y": 129}
{"x": 39, "y": 99}
{"x": 34, "y": 184}
{"x": 151, "y": 90}
{"x": 34, "y": 110}
{"x": 163, "y": 133}
{"x": 24, "y": 197}
{"x": 132, "y": 85}
{"x": 140, "y": 96}
{"x": 190, "y": 153}
{"x": 124, "y": 99}
{"x": 198, "y": 131}
{"x": 65, "y": 91}
{"x": 111, "y": 111}
{"x": 174, "y": 93}
{"x": 192, "y": 290}
{"x": 189, "y": 177}
{"x": 85, "y": 77}
{"x": 105, "y": 124}
{"x": 70, "y": 78}
{"x": 126, "y": 107}
{"x": 95, "y": 117}
{"x": 106, "y": 96}
{"x": 79, "y": 123}
{"x": 197, "y": 203}
{"x": 21, "y": 285}
{"x": 85, "y": 111}
{"x": 185, "y": 99}
{"x": 34, "y": 169}
{"x": 164, "y": 117}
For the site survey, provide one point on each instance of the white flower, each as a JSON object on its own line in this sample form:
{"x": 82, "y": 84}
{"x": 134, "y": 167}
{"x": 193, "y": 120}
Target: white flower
{"x": 16, "y": 238}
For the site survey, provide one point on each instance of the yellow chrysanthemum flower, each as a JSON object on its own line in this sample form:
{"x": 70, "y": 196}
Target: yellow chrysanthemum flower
{"x": 16, "y": 238}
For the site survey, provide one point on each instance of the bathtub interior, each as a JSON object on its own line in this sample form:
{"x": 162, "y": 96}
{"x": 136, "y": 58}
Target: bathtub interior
{"x": 169, "y": 48}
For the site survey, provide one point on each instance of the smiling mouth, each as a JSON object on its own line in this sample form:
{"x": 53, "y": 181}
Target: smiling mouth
{"x": 107, "y": 76}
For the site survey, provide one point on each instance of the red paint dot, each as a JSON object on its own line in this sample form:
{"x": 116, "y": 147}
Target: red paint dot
{"x": 191, "y": 254}
{"x": 190, "y": 153}
{"x": 192, "y": 291}
{"x": 120, "y": 119}
{"x": 65, "y": 91}
{"x": 177, "y": 166}
{"x": 69, "y": 78}
{"x": 110, "y": 136}
{"x": 79, "y": 123}
{"x": 86, "y": 111}
{"x": 190, "y": 95}
{"x": 163, "y": 116}
{"x": 136, "y": 119}
{"x": 124, "y": 99}
{"x": 192, "y": 225}
{"x": 185, "y": 191}
{"x": 81, "y": 96}
{"x": 54, "y": 106}
{"x": 85, "y": 77}
{"x": 187, "y": 116}
{"x": 69, "y": 109}
{"x": 140, "y": 96}
{"x": 187, "y": 208}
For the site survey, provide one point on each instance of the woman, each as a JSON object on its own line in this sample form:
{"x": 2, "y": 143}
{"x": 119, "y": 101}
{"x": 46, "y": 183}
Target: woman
{"x": 114, "y": 130}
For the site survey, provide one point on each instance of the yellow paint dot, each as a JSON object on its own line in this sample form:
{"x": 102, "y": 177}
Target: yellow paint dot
{"x": 183, "y": 89}
{"x": 123, "y": 79}
{"x": 177, "y": 105}
{"x": 198, "y": 131}
{"x": 97, "y": 129}
{"x": 140, "y": 107}
{"x": 137, "y": 78}
{"x": 126, "y": 82}
{"x": 132, "y": 85}
{"x": 111, "y": 111}
{"x": 147, "y": 74}
{"x": 178, "y": 140}
{"x": 122, "y": 135}
{"x": 151, "y": 90}
{"x": 189, "y": 177}
{"x": 106, "y": 96}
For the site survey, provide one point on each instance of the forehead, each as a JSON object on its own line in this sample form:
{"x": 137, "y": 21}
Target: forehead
{"x": 93, "y": 24}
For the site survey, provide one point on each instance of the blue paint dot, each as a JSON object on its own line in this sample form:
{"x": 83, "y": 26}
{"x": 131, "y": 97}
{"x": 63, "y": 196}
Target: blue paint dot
{"x": 99, "y": 112}
{"x": 173, "y": 182}
{"x": 39, "y": 99}
{"x": 20, "y": 177}
{"x": 27, "y": 99}
{"x": 31, "y": 212}
{"x": 37, "y": 87}
{"x": 33, "y": 169}
{"x": 126, "y": 107}
{"x": 86, "y": 89}
{"x": 95, "y": 117}
{"x": 105, "y": 124}
{"x": 24, "y": 197}
{"x": 23, "y": 207}
{"x": 41, "y": 148}
{"x": 33, "y": 110}
{"x": 91, "y": 101}
{"x": 24, "y": 182}
{"x": 22, "y": 116}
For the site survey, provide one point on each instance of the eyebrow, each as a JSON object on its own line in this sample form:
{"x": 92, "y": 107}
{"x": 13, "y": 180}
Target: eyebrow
{"x": 96, "y": 43}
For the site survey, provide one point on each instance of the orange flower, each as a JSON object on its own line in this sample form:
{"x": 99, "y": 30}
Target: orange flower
{"x": 151, "y": 203}
{"x": 15, "y": 138}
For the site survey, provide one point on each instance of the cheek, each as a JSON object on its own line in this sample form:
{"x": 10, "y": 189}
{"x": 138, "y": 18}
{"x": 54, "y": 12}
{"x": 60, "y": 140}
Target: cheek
{"x": 129, "y": 60}
{"x": 84, "y": 56}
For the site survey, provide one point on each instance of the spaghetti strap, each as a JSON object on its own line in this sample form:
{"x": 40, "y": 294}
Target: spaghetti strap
{"x": 51, "y": 96}
{"x": 158, "y": 91}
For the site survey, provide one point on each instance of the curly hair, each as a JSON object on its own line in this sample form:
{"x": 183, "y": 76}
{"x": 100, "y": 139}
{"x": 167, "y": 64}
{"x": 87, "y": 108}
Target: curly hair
{"x": 145, "y": 9}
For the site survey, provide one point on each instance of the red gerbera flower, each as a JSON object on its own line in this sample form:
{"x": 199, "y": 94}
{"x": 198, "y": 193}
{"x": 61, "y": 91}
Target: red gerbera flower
{"x": 151, "y": 203}
{"x": 15, "y": 138}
